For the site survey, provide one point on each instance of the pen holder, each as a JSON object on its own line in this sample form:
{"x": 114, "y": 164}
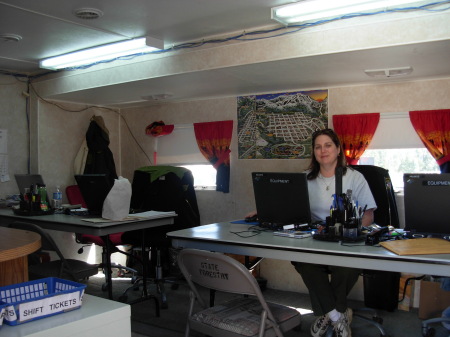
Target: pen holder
{"x": 351, "y": 228}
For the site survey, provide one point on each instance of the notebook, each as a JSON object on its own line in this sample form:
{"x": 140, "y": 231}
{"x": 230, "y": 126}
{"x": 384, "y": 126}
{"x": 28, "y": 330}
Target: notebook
{"x": 94, "y": 188}
{"x": 281, "y": 199}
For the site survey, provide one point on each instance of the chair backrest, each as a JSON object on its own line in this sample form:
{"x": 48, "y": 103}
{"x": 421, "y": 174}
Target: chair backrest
{"x": 218, "y": 272}
{"x": 63, "y": 268}
{"x": 47, "y": 242}
{"x": 380, "y": 185}
{"x": 74, "y": 196}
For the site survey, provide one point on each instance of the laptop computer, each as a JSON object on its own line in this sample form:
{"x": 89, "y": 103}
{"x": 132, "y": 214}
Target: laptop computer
{"x": 281, "y": 199}
{"x": 94, "y": 188}
{"x": 26, "y": 180}
{"x": 427, "y": 201}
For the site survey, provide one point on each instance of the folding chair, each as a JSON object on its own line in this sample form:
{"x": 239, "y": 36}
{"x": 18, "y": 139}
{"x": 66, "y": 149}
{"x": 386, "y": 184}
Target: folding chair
{"x": 248, "y": 315}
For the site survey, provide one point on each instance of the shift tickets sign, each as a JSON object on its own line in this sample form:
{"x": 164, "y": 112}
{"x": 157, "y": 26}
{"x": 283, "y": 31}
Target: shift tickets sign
{"x": 44, "y": 307}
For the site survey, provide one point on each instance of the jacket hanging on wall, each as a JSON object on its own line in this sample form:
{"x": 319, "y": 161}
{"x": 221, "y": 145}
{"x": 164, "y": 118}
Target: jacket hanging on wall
{"x": 100, "y": 159}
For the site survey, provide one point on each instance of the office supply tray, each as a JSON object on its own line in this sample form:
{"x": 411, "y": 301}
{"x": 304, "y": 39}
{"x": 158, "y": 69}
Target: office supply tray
{"x": 27, "y": 212}
{"x": 29, "y": 301}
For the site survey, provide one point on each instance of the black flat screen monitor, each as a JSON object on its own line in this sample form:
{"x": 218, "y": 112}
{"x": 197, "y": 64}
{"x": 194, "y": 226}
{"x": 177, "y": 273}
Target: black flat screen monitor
{"x": 94, "y": 188}
{"x": 427, "y": 203}
{"x": 281, "y": 198}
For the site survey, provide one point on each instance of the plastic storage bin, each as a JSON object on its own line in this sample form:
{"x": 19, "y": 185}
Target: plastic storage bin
{"x": 2, "y": 313}
{"x": 28, "y": 301}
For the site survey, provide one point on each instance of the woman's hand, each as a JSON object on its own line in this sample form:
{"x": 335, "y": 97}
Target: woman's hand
{"x": 251, "y": 214}
{"x": 367, "y": 218}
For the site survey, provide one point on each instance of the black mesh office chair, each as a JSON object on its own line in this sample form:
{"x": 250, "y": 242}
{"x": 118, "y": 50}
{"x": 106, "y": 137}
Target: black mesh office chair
{"x": 163, "y": 188}
{"x": 70, "y": 269}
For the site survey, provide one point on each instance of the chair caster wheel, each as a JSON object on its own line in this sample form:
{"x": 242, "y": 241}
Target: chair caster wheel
{"x": 428, "y": 332}
{"x": 104, "y": 287}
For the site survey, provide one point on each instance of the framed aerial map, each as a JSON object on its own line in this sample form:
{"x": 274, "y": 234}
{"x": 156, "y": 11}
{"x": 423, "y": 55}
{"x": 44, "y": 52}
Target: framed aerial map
{"x": 279, "y": 126}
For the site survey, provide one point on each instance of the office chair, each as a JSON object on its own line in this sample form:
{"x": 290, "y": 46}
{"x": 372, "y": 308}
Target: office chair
{"x": 162, "y": 188}
{"x": 75, "y": 198}
{"x": 70, "y": 269}
{"x": 248, "y": 315}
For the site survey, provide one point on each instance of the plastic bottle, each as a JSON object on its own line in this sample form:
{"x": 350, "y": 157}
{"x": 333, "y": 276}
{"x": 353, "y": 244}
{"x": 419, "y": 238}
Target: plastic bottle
{"x": 57, "y": 198}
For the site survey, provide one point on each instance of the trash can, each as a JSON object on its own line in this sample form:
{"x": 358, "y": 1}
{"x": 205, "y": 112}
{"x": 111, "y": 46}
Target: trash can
{"x": 381, "y": 289}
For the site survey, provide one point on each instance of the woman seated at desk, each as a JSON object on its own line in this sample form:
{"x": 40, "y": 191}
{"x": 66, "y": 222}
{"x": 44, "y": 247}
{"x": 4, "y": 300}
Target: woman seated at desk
{"x": 329, "y": 286}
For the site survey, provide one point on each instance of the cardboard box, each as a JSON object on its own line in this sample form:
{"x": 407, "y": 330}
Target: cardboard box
{"x": 406, "y": 303}
{"x": 433, "y": 300}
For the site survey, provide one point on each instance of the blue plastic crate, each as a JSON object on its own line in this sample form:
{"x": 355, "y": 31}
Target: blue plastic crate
{"x": 2, "y": 312}
{"x": 28, "y": 301}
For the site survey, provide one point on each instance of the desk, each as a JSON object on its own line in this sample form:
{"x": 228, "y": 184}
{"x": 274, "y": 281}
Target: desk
{"x": 96, "y": 317}
{"x": 219, "y": 237}
{"x": 75, "y": 224}
{"x": 15, "y": 245}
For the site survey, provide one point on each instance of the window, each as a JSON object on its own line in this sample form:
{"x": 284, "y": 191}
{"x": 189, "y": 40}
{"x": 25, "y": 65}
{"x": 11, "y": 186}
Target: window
{"x": 180, "y": 149}
{"x": 399, "y": 161}
{"x": 397, "y": 148}
{"x": 204, "y": 176}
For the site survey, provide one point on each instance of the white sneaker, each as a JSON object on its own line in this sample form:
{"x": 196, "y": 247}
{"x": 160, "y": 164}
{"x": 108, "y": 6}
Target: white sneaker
{"x": 342, "y": 328}
{"x": 320, "y": 326}
{"x": 348, "y": 316}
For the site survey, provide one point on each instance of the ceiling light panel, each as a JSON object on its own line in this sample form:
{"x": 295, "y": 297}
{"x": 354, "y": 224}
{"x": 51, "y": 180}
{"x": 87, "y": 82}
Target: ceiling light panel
{"x": 101, "y": 53}
{"x": 309, "y": 10}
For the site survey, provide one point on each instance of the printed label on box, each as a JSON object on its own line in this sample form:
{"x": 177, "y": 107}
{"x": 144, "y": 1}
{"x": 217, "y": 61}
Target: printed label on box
{"x": 10, "y": 313}
{"x": 49, "y": 306}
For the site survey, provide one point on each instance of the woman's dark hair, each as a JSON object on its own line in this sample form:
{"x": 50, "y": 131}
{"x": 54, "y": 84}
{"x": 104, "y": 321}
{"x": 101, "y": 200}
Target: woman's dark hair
{"x": 314, "y": 166}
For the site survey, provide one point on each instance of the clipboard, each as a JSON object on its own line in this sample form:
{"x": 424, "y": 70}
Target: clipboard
{"x": 418, "y": 246}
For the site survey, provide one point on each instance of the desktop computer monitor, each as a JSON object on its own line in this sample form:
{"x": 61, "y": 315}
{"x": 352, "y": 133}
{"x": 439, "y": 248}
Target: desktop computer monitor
{"x": 427, "y": 203}
{"x": 281, "y": 198}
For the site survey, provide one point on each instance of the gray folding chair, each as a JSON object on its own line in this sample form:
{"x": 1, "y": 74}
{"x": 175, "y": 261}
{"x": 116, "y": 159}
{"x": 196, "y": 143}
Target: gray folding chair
{"x": 70, "y": 269}
{"x": 247, "y": 315}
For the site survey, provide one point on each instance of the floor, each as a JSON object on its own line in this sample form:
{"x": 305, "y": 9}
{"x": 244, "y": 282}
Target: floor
{"x": 171, "y": 321}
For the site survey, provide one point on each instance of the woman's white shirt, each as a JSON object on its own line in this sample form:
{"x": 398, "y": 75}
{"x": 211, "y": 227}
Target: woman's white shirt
{"x": 321, "y": 198}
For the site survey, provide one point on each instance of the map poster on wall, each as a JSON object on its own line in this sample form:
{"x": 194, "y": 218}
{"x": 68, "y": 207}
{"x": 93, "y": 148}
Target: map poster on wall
{"x": 280, "y": 126}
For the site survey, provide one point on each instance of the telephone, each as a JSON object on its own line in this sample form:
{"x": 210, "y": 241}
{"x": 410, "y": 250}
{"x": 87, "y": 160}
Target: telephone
{"x": 374, "y": 236}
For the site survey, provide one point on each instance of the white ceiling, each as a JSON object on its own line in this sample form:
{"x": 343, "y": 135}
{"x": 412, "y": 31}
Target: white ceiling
{"x": 48, "y": 28}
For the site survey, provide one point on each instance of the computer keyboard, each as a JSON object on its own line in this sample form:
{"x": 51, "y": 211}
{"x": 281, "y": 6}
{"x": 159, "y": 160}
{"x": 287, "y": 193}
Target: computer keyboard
{"x": 336, "y": 238}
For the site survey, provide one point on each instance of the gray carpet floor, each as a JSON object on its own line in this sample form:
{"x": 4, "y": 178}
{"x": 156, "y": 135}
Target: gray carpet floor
{"x": 172, "y": 319}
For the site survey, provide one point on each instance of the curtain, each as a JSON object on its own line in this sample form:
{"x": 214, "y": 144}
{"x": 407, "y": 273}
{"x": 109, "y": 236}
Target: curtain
{"x": 433, "y": 128}
{"x": 355, "y": 133}
{"x": 214, "y": 139}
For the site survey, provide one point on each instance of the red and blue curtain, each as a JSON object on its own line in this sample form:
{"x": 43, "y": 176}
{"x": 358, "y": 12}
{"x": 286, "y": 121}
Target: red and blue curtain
{"x": 214, "y": 139}
{"x": 433, "y": 128}
{"x": 355, "y": 133}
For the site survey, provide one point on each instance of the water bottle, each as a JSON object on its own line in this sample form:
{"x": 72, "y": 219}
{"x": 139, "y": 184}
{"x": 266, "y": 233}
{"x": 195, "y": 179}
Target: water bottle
{"x": 57, "y": 198}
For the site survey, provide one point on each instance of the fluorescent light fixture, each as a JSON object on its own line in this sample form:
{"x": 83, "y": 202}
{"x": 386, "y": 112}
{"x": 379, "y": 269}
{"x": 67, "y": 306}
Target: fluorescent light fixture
{"x": 308, "y": 10}
{"x": 102, "y": 53}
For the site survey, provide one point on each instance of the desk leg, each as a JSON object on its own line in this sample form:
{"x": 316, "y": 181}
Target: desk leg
{"x": 107, "y": 266}
{"x": 145, "y": 261}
